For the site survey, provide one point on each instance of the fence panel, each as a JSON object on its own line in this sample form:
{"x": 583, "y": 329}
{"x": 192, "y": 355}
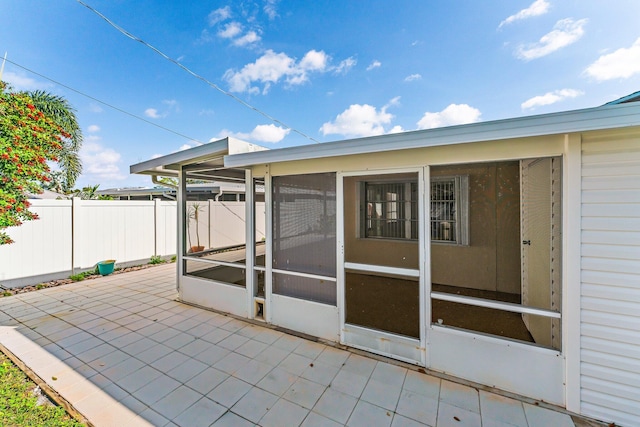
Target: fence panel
{"x": 42, "y": 246}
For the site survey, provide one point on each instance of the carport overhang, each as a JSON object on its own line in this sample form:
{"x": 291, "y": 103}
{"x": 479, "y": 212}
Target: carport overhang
{"x": 204, "y": 162}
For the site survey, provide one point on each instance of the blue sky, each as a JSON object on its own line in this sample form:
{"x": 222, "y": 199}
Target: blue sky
{"x": 329, "y": 70}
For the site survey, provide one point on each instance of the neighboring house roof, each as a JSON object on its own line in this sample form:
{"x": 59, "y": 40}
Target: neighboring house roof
{"x": 48, "y": 195}
{"x": 634, "y": 97}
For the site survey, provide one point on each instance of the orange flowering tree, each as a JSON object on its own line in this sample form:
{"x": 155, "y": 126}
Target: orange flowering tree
{"x": 29, "y": 139}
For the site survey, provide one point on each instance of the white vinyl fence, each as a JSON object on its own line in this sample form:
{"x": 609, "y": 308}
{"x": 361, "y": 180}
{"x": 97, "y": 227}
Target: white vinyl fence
{"x": 73, "y": 235}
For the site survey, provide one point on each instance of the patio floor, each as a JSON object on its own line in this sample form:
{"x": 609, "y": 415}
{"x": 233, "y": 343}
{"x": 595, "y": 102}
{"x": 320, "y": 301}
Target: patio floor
{"x": 123, "y": 352}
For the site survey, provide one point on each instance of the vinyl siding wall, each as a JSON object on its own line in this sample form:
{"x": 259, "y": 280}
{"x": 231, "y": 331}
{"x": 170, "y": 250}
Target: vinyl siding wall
{"x": 610, "y": 300}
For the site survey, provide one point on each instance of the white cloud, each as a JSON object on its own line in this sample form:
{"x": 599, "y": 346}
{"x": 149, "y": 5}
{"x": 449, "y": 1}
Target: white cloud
{"x": 412, "y": 77}
{"x": 454, "y": 114}
{"x": 250, "y": 37}
{"x": 100, "y": 163}
{"x": 565, "y": 32}
{"x": 345, "y": 65}
{"x": 95, "y": 108}
{"x": 23, "y": 83}
{"x": 93, "y": 128}
{"x": 152, "y": 113}
{"x": 537, "y": 8}
{"x": 361, "y": 120}
{"x": 272, "y": 67}
{"x": 621, "y": 64}
{"x": 270, "y": 9}
{"x": 230, "y": 30}
{"x": 374, "y": 64}
{"x": 261, "y": 133}
{"x": 550, "y": 98}
{"x": 219, "y": 15}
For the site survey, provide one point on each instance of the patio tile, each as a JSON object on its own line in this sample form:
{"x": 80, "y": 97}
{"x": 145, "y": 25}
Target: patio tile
{"x": 418, "y": 407}
{"x": 170, "y": 361}
{"x": 335, "y": 405}
{"x": 304, "y": 392}
{"x": 154, "y": 353}
{"x": 251, "y": 348}
{"x": 349, "y": 383}
{"x": 268, "y": 336}
{"x": 381, "y": 394}
{"x": 541, "y": 417}
{"x": 459, "y": 395}
{"x": 138, "y": 379}
{"x": 150, "y": 416}
{"x": 109, "y": 360}
{"x": 317, "y": 420}
{"x": 320, "y": 373}
{"x": 502, "y": 409}
{"x": 389, "y": 374}
{"x": 252, "y": 371}
{"x": 202, "y": 413}
{"x": 453, "y": 416}
{"x": 401, "y": 421}
{"x": 156, "y": 390}
{"x": 187, "y": 370}
{"x": 207, "y": 380}
{"x": 122, "y": 369}
{"x": 272, "y": 356}
{"x": 250, "y": 331}
{"x": 284, "y": 413}
{"x": 277, "y": 381}
{"x": 229, "y": 392}
{"x": 422, "y": 384}
{"x": 367, "y": 415}
{"x": 333, "y": 356}
{"x": 305, "y": 348}
{"x": 231, "y": 363}
{"x": 179, "y": 341}
{"x": 255, "y": 404}
{"x": 216, "y": 335}
{"x": 359, "y": 365}
{"x": 232, "y": 420}
{"x": 212, "y": 355}
{"x": 295, "y": 363}
{"x": 174, "y": 403}
{"x": 233, "y": 341}
{"x": 139, "y": 346}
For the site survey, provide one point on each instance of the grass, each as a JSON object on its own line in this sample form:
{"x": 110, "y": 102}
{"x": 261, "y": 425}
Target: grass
{"x": 156, "y": 259}
{"x": 19, "y": 403}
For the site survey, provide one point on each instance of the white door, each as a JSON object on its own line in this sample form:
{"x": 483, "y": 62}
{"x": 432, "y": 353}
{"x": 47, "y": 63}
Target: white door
{"x": 382, "y": 283}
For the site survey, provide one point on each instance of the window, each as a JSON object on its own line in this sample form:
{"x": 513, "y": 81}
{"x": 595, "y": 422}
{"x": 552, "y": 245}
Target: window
{"x": 449, "y": 209}
{"x": 391, "y": 210}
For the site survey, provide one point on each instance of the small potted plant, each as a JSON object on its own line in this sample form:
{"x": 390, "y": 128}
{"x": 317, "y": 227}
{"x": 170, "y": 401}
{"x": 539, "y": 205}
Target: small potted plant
{"x": 106, "y": 267}
{"x": 193, "y": 213}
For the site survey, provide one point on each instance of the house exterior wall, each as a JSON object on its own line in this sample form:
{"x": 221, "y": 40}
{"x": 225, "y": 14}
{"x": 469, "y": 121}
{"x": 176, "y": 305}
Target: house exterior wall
{"x": 610, "y": 284}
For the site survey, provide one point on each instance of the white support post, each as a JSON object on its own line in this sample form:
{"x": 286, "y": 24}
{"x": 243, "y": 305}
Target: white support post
{"x": 571, "y": 249}
{"x": 181, "y": 200}
{"x": 268, "y": 226}
{"x": 156, "y": 233}
{"x": 250, "y": 241}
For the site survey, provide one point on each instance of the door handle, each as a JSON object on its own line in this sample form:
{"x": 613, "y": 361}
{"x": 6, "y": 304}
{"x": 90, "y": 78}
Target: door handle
{"x": 526, "y": 242}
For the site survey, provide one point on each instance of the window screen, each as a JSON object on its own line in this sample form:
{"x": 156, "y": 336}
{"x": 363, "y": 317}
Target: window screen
{"x": 304, "y": 233}
{"x": 391, "y": 210}
{"x": 449, "y": 209}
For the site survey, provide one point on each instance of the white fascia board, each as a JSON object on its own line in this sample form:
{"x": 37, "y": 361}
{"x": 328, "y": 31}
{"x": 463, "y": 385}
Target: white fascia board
{"x": 604, "y": 117}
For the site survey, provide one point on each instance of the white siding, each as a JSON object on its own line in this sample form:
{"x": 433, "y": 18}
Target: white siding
{"x": 610, "y": 291}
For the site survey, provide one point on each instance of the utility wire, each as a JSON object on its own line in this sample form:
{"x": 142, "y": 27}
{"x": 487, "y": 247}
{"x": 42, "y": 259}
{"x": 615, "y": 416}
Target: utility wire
{"x": 194, "y": 74}
{"x": 104, "y": 103}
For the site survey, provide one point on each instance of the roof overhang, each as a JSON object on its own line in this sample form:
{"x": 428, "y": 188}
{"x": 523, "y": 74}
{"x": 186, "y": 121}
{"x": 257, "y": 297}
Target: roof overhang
{"x": 599, "y": 118}
{"x": 203, "y": 162}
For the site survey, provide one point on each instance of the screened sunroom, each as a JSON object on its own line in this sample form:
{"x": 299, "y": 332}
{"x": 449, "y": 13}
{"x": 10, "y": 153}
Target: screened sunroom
{"x": 483, "y": 251}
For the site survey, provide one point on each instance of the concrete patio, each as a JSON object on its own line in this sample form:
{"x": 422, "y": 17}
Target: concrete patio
{"x": 123, "y": 352}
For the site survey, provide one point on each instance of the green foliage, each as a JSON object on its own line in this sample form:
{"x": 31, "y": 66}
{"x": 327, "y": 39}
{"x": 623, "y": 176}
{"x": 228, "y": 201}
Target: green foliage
{"x": 6, "y": 294}
{"x": 29, "y": 139}
{"x": 19, "y": 406}
{"x": 173, "y": 258}
{"x": 90, "y": 193}
{"x": 81, "y": 276}
{"x": 156, "y": 259}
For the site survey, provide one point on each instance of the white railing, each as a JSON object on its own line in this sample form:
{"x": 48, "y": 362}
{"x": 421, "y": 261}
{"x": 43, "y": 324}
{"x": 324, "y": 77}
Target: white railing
{"x": 73, "y": 235}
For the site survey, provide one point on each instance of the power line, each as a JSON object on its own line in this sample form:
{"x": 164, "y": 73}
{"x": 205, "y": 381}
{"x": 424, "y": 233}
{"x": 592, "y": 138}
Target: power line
{"x": 194, "y": 74}
{"x": 104, "y": 103}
